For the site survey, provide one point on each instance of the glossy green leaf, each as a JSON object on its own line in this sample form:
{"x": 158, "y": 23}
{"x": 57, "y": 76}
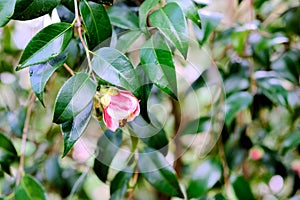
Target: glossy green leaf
{"x": 239, "y": 38}
{"x": 204, "y": 178}
{"x": 75, "y": 95}
{"x": 29, "y": 189}
{"x": 119, "y": 184}
{"x": 73, "y": 129}
{"x": 8, "y": 152}
{"x": 144, "y": 11}
{"x": 114, "y": 67}
{"x": 107, "y": 147}
{"x": 158, "y": 172}
{"x": 6, "y": 11}
{"x": 40, "y": 74}
{"x": 126, "y": 40}
{"x": 196, "y": 126}
{"x": 235, "y": 103}
{"x": 157, "y": 60}
{"x": 171, "y": 22}
{"x": 46, "y": 44}
{"x": 154, "y": 136}
{"x": 209, "y": 22}
{"x": 30, "y": 9}
{"x": 242, "y": 188}
{"x": 17, "y": 120}
{"x": 189, "y": 8}
{"x": 291, "y": 141}
{"x": 271, "y": 86}
{"x": 96, "y": 22}
{"x": 123, "y": 18}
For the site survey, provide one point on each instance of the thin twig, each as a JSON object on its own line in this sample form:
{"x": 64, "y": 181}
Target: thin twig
{"x": 135, "y": 179}
{"x": 24, "y": 137}
{"x": 69, "y": 69}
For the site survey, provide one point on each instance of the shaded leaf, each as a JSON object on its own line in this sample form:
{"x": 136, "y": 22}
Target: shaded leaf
{"x": 291, "y": 141}
{"x": 144, "y": 11}
{"x": 73, "y": 129}
{"x": 157, "y": 60}
{"x": 235, "y": 103}
{"x": 204, "y": 178}
{"x": 123, "y": 18}
{"x": 196, "y": 126}
{"x": 6, "y": 11}
{"x": 8, "y": 152}
{"x": 114, "y": 67}
{"x": 75, "y": 95}
{"x": 17, "y": 120}
{"x": 46, "y": 44}
{"x": 189, "y": 8}
{"x": 29, "y": 189}
{"x": 242, "y": 188}
{"x": 31, "y": 9}
{"x": 107, "y": 147}
{"x": 119, "y": 184}
{"x": 127, "y": 39}
{"x": 54, "y": 171}
{"x": 171, "y": 22}
{"x": 40, "y": 74}
{"x": 96, "y": 22}
{"x": 158, "y": 172}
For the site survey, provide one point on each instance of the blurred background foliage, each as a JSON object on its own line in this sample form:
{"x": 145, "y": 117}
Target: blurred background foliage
{"x": 255, "y": 46}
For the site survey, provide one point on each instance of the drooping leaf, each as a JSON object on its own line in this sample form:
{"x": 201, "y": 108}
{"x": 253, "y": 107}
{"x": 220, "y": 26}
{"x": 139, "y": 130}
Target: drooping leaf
{"x": 123, "y": 18}
{"x": 30, "y": 9}
{"x": 47, "y": 44}
{"x": 8, "y": 152}
{"x": 190, "y": 9}
{"x": 235, "y": 103}
{"x": 107, "y": 147}
{"x": 171, "y": 22}
{"x": 75, "y": 95}
{"x": 17, "y": 120}
{"x": 196, "y": 126}
{"x": 96, "y": 22}
{"x": 29, "y": 189}
{"x": 209, "y": 22}
{"x": 158, "y": 172}
{"x": 291, "y": 141}
{"x": 242, "y": 188}
{"x": 144, "y": 11}
{"x": 73, "y": 129}
{"x": 40, "y": 74}
{"x": 271, "y": 86}
{"x": 127, "y": 39}
{"x": 204, "y": 178}
{"x": 6, "y": 11}
{"x": 119, "y": 184}
{"x": 157, "y": 60}
{"x": 65, "y": 14}
{"x": 114, "y": 67}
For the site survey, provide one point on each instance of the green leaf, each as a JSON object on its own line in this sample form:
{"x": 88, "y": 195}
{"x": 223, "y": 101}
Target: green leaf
{"x": 46, "y": 44}
{"x": 114, "y": 67}
{"x": 96, "y": 22}
{"x": 157, "y": 60}
{"x": 30, "y": 9}
{"x": 171, "y": 22}
{"x": 144, "y": 11}
{"x": 29, "y": 189}
{"x": 108, "y": 145}
{"x": 204, "y": 178}
{"x": 235, "y": 103}
{"x": 73, "y": 129}
{"x": 209, "y": 22}
{"x": 242, "y": 188}
{"x": 8, "y": 152}
{"x": 17, "y": 120}
{"x": 123, "y": 18}
{"x": 271, "y": 87}
{"x": 196, "y": 126}
{"x": 127, "y": 39}
{"x": 158, "y": 172}
{"x": 40, "y": 74}
{"x": 119, "y": 184}
{"x": 239, "y": 39}
{"x": 75, "y": 95}
{"x": 291, "y": 141}
{"x": 6, "y": 11}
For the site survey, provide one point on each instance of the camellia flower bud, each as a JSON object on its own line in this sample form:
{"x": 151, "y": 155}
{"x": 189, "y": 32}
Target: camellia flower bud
{"x": 118, "y": 106}
{"x": 256, "y": 153}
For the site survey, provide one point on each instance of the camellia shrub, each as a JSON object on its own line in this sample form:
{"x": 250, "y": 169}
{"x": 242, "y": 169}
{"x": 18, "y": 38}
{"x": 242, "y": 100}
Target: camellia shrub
{"x": 149, "y": 99}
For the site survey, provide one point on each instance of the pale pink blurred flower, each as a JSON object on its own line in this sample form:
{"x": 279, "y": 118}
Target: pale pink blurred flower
{"x": 256, "y": 153}
{"x": 296, "y": 166}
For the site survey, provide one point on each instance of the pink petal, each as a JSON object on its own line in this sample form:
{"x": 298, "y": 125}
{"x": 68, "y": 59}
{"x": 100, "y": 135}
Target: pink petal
{"x": 112, "y": 124}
